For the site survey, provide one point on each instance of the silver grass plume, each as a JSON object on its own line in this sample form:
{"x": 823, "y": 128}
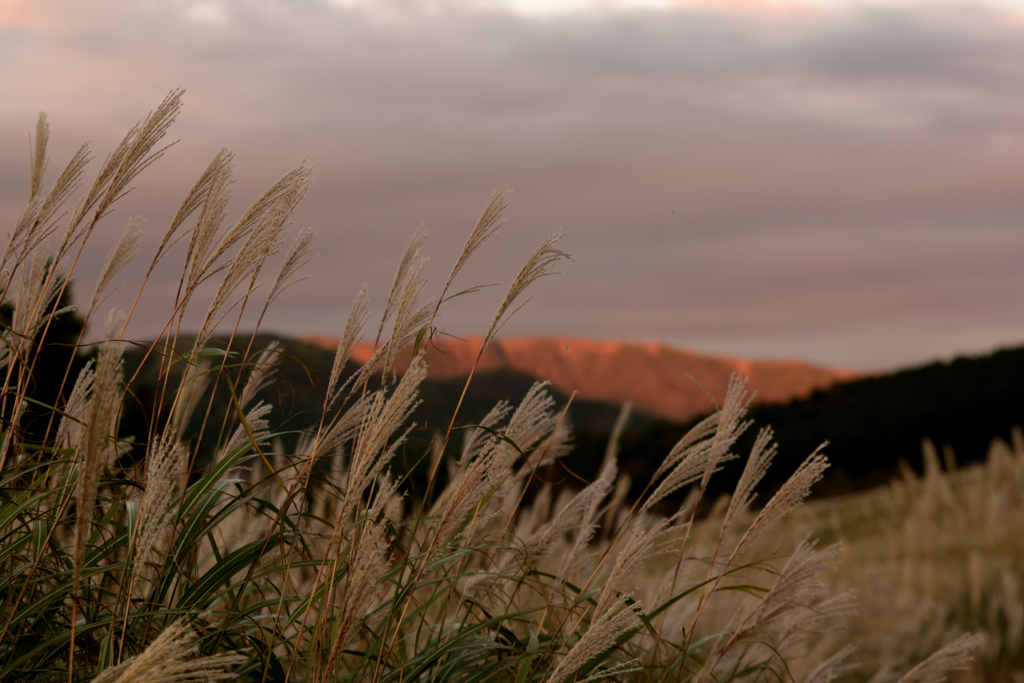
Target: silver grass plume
{"x": 215, "y": 175}
{"x": 611, "y": 457}
{"x": 272, "y": 208}
{"x": 246, "y": 265}
{"x": 532, "y": 518}
{"x": 368, "y": 566}
{"x": 410, "y": 255}
{"x": 37, "y": 293}
{"x": 35, "y": 223}
{"x": 681, "y": 450}
{"x": 611, "y": 451}
{"x": 811, "y": 621}
{"x": 344, "y": 426}
{"x": 730, "y": 424}
{"x": 789, "y": 608}
{"x": 190, "y": 391}
{"x": 139, "y": 153}
{"x": 552, "y": 446}
{"x": 17, "y": 244}
{"x": 833, "y": 667}
{"x": 257, "y": 423}
{"x": 295, "y": 258}
{"x": 493, "y": 464}
{"x": 698, "y": 455}
{"x": 498, "y": 510}
{"x": 164, "y": 467}
{"x": 101, "y": 418}
{"x": 213, "y": 210}
{"x": 131, "y": 156}
{"x": 385, "y": 416}
{"x": 353, "y": 331}
{"x": 533, "y": 419}
{"x": 100, "y": 183}
{"x": 71, "y": 425}
{"x": 761, "y": 455}
{"x": 61, "y": 189}
{"x": 588, "y": 521}
{"x": 126, "y": 249}
{"x": 955, "y": 656}
{"x": 575, "y": 515}
{"x": 789, "y": 496}
{"x": 65, "y": 185}
{"x": 261, "y": 370}
{"x": 71, "y": 422}
{"x": 798, "y": 587}
{"x": 410, "y": 314}
{"x": 37, "y": 157}
{"x": 604, "y": 630}
{"x": 33, "y": 295}
{"x": 631, "y": 560}
{"x": 540, "y": 543}
{"x": 486, "y": 227}
{"x": 539, "y": 265}
{"x": 611, "y": 514}
{"x": 474, "y": 441}
{"x": 165, "y": 660}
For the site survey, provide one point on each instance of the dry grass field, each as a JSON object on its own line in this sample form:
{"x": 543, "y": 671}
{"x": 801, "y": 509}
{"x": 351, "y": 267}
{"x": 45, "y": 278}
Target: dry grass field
{"x": 930, "y": 558}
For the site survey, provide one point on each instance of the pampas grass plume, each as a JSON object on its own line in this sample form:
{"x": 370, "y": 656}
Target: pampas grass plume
{"x": 166, "y": 660}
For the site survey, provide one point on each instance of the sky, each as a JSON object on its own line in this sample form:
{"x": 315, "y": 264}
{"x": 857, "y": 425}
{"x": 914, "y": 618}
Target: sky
{"x": 840, "y": 181}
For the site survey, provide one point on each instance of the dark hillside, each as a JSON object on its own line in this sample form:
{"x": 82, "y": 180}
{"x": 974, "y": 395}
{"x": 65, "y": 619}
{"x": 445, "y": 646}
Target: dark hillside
{"x": 870, "y": 424}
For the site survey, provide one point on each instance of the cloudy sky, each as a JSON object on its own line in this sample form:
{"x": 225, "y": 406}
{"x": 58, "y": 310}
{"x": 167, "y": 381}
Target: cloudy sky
{"x": 835, "y": 180}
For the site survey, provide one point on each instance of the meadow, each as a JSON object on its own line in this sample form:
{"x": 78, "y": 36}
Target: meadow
{"x": 260, "y": 555}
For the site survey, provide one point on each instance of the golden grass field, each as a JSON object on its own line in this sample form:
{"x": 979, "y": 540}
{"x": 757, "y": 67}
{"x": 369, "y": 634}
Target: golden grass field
{"x": 929, "y": 558}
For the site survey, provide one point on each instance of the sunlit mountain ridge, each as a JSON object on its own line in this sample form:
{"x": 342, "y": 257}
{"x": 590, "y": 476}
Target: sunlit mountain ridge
{"x": 658, "y": 379}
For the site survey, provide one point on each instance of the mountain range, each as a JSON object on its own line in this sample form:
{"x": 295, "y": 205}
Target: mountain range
{"x": 659, "y": 380}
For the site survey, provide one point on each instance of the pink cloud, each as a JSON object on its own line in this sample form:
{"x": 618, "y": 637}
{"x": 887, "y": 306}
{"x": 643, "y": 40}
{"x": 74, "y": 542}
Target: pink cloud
{"x": 787, "y": 7}
{"x": 32, "y": 16}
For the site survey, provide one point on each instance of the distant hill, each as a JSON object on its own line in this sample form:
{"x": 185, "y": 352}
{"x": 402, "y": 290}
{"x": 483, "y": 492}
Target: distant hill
{"x": 659, "y": 380}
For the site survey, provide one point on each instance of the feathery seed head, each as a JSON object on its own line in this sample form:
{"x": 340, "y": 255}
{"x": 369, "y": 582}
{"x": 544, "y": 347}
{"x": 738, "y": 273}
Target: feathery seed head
{"x": 261, "y": 370}
{"x": 190, "y": 391}
{"x": 37, "y": 157}
{"x": 126, "y": 249}
{"x": 166, "y": 660}
{"x": 353, "y": 331}
{"x": 101, "y": 418}
{"x": 164, "y": 466}
{"x": 372, "y": 452}
{"x": 786, "y": 499}
{"x": 296, "y": 257}
{"x": 539, "y": 265}
{"x": 410, "y": 256}
{"x": 604, "y": 630}
{"x": 257, "y": 423}
{"x": 955, "y": 656}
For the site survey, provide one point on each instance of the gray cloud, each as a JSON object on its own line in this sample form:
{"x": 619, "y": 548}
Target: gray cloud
{"x": 755, "y": 185}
